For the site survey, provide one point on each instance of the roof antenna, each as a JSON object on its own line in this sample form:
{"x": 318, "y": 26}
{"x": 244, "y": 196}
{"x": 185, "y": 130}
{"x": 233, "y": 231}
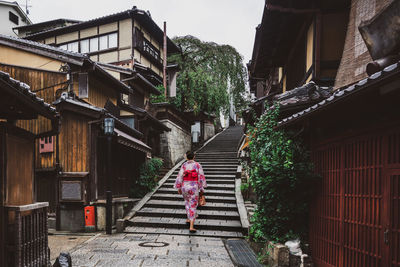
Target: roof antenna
{"x": 26, "y": 7}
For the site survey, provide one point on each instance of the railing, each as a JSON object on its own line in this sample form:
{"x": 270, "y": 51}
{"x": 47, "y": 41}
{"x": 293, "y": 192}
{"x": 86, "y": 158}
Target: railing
{"x": 26, "y": 240}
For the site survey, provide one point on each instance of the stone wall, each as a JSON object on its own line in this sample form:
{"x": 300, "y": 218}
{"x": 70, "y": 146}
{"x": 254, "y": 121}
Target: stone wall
{"x": 209, "y": 130}
{"x": 174, "y": 144}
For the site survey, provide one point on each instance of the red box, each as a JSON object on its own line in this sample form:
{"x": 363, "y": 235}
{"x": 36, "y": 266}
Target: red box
{"x": 89, "y": 216}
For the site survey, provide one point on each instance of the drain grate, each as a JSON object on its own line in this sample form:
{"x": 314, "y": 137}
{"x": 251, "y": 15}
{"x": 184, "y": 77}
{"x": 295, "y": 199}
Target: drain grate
{"x": 241, "y": 253}
{"x": 154, "y": 244}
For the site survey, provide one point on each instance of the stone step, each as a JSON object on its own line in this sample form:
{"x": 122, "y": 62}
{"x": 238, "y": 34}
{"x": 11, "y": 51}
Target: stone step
{"x": 229, "y": 187}
{"x": 231, "y": 168}
{"x": 215, "y": 172}
{"x": 180, "y": 223}
{"x": 216, "y": 158}
{"x": 184, "y": 231}
{"x": 181, "y": 213}
{"x": 218, "y": 165}
{"x": 210, "y": 181}
{"x": 209, "y": 199}
{"x": 207, "y": 153}
{"x": 208, "y": 192}
{"x": 181, "y": 205}
{"x": 217, "y": 161}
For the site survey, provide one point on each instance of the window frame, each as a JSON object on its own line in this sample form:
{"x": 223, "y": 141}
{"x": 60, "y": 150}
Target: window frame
{"x": 13, "y": 18}
{"x": 93, "y": 40}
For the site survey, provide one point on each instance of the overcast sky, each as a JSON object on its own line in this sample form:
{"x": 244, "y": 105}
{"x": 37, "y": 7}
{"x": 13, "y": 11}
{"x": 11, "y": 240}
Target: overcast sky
{"x": 230, "y": 22}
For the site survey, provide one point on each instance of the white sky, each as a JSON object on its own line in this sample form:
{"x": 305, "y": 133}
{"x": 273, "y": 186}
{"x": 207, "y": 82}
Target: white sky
{"x": 230, "y": 22}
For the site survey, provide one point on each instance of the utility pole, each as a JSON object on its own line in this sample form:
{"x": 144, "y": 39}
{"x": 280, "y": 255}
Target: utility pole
{"x": 165, "y": 59}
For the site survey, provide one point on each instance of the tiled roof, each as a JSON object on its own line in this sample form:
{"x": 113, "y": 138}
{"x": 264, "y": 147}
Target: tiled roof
{"x": 26, "y": 90}
{"x": 44, "y": 49}
{"x": 141, "y": 15}
{"x": 343, "y": 93}
{"x": 306, "y": 94}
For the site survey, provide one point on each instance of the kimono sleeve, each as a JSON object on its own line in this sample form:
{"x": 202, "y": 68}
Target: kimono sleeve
{"x": 202, "y": 178}
{"x": 179, "y": 178}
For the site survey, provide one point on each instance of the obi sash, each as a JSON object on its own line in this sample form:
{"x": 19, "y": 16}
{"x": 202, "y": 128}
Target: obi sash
{"x": 190, "y": 175}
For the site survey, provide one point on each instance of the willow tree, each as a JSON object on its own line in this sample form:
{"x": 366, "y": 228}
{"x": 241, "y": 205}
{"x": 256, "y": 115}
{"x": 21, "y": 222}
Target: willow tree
{"x": 211, "y": 76}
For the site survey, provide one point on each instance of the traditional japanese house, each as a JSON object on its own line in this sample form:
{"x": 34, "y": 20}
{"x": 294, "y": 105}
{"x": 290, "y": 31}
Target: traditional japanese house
{"x": 23, "y": 220}
{"x": 135, "y": 108}
{"x": 72, "y": 163}
{"x": 123, "y": 39}
{"x": 130, "y": 45}
{"x": 306, "y": 48}
{"x": 354, "y": 138}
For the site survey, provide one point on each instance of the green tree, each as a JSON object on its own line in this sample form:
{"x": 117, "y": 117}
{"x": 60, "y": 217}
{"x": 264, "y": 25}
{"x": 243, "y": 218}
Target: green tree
{"x": 210, "y": 75}
{"x": 283, "y": 178}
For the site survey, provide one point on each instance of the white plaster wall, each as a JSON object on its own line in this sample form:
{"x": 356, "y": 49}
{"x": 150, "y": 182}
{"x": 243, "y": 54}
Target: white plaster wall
{"x": 174, "y": 144}
{"x": 5, "y": 24}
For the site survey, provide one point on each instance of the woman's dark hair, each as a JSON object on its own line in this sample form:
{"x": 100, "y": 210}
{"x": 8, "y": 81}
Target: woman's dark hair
{"x": 189, "y": 155}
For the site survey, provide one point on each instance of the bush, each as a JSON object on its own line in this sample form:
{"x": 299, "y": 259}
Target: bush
{"x": 282, "y": 176}
{"x": 147, "y": 180}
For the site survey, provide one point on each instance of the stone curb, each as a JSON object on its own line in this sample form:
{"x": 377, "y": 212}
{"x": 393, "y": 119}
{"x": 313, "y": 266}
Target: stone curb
{"x": 241, "y": 208}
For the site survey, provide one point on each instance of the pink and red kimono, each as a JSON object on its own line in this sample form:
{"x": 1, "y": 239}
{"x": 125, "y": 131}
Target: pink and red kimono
{"x": 191, "y": 181}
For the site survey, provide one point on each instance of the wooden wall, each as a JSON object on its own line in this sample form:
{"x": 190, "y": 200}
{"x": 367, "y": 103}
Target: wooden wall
{"x": 47, "y": 85}
{"x": 99, "y": 91}
{"x": 19, "y": 171}
{"x": 74, "y": 143}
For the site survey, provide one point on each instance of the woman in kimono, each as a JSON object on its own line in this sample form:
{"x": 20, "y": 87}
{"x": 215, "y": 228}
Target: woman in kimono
{"x": 190, "y": 183}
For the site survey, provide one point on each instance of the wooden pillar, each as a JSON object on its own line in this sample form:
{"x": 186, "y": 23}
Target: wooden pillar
{"x": 2, "y": 198}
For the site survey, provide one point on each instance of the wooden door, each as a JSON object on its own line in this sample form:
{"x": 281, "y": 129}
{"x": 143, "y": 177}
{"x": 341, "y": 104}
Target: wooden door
{"x": 391, "y": 234}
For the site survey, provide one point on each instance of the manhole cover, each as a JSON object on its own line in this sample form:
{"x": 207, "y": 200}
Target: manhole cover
{"x": 154, "y": 244}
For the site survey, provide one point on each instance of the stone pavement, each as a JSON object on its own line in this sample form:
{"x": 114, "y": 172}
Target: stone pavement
{"x": 59, "y": 243}
{"x": 135, "y": 250}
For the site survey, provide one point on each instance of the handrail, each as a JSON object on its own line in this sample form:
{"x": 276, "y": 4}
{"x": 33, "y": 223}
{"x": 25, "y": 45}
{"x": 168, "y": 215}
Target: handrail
{"x": 37, "y": 205}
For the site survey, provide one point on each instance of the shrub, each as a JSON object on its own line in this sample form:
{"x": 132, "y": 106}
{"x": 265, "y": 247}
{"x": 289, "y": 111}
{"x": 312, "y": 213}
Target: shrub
{"x": 282, "y": 176}
{"x": 147, "y": 180}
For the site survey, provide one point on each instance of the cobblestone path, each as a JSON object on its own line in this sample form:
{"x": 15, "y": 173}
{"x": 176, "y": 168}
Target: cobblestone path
{"x": 165, "y": 212}
{"x": 121, "y": 250}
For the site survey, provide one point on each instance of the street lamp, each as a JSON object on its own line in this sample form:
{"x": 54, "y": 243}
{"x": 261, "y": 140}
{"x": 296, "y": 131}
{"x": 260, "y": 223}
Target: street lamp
{"x": 108, "y": 131}
{"x": 108, "y": 126}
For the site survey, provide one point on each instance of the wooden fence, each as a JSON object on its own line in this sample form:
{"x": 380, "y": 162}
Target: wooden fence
{"x": 26, "y": 239}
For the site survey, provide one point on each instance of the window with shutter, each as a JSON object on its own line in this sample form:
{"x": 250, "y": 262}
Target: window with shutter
{"x": 83, "y": 85}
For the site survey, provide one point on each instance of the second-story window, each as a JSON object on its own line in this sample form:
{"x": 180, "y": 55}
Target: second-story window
{"x": 145, "y": 46}
{"x": 13, "y": 18}
{"x": 93, "y": 44}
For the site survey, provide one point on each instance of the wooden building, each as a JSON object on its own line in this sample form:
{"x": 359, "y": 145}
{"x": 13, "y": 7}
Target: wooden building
{"x": 23, "y": 220}
{"x": 123, "y": 39}
{"x": 129, "y": 45}
{"x": 353, "y": 132}
{"x": 72, "y": 162}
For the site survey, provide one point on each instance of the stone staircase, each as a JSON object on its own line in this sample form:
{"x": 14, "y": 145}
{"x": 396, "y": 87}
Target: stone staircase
{"x": 165, "y": 213}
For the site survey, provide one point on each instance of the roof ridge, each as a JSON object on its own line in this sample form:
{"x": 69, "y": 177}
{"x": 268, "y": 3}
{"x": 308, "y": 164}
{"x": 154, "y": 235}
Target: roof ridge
{"x": 43, "y": 46}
